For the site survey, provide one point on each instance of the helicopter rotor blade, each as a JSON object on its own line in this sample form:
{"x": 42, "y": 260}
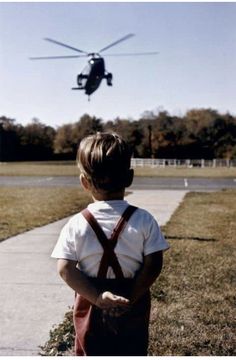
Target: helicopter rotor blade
{"x": 116, "y": 42}
{"x": 65, "y": 45}
{"x": 133, "y": 54}
{"x": 56, "y": 57}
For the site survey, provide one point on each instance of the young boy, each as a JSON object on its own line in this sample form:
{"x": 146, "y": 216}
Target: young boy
{"x": 109, "y": 254}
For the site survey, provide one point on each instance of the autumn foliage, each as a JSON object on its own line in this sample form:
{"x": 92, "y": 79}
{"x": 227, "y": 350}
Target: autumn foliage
{"x": 199, "y": 134}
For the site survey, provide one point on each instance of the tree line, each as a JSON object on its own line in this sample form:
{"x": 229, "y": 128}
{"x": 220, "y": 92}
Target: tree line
{"x": 198, "y": 134}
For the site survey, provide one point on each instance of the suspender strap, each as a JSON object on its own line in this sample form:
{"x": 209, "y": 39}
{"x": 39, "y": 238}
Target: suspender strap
{"x": 121, "y": 223}
{"x": 109, "y": 257}
{"x": 105, "y": 261}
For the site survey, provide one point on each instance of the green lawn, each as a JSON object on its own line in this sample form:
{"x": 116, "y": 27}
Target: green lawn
{"x": 25, "y": 208}
{"x": 187, "y": 172}
{"x": 194, "y": 299}
{"x": 46, "y": 168}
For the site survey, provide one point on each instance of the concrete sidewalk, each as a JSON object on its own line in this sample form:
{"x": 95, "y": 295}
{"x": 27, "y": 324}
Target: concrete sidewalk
{"x": 33, "y": 298}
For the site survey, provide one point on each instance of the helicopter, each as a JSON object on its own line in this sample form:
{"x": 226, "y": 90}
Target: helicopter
{"x": 92, "y": 75}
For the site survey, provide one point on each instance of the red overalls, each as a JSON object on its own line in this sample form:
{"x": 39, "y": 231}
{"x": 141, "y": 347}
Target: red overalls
{"x": 99, "y": 334}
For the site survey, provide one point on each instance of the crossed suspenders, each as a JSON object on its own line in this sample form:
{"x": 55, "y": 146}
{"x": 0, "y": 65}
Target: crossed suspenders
{"x": 109, "y": 257}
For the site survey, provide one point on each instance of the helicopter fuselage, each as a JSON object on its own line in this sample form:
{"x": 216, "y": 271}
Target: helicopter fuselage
{"x": 93, "y": 74}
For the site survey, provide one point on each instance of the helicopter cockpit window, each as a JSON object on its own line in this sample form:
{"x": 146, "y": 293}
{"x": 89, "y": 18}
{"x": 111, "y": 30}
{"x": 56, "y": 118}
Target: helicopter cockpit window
{"x": 86, "y": 70}
{"x": 83, "y": 76}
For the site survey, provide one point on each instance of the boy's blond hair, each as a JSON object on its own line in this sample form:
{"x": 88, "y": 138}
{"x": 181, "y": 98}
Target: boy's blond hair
{"x": 104, "y": 159}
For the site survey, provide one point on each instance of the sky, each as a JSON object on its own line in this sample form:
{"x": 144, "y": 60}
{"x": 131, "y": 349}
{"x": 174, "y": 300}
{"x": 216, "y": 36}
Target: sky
{"x": 195, "y": 66}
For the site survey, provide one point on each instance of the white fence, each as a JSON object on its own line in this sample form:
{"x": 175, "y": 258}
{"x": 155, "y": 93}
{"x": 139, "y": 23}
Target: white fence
{"x": 183, "y": 163}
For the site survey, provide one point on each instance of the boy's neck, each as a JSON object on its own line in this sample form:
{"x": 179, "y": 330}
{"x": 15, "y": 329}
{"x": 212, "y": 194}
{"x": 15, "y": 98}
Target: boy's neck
{"x": 100, "y": 196}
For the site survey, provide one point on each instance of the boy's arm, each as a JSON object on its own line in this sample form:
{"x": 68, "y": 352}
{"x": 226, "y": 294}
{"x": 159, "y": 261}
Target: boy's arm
{"x": 80, "y": 283}
{"x": 150, "y": 270}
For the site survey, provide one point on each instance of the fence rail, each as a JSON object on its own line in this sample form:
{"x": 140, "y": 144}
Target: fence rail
{"x": 188, "y": 163}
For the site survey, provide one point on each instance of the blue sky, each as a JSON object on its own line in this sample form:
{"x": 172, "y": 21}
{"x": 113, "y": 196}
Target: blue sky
{"x": 195, "y": 67}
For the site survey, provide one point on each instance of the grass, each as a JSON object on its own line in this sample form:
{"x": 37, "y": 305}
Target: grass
{"x": 69, "y": 168}
{"x": 25, "y": 208}
{"x": 193, "y": 301}
{"x": 207, "y": 172}
{"x": 40, "y": 168}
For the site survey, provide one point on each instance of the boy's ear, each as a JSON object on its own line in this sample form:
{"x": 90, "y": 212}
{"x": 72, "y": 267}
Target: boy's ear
{"x": 130, "y": 176}
{"x": 84, "y": 182}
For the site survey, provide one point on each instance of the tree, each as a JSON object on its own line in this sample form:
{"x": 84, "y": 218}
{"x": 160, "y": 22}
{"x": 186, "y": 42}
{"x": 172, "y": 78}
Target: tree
{"x": 200, "y": 133}
{"x": 129, "y": 130}
{"x": 36, "y": 141}
{"x": 69, "y": 136}
{"x": 63, "y": 141}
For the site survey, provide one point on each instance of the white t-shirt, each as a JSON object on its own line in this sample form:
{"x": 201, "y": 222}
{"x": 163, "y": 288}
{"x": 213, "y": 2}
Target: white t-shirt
{"x": 141, "y": 236}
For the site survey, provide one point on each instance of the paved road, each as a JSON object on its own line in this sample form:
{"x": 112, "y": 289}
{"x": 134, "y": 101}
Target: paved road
{"x": 139, "y": 183}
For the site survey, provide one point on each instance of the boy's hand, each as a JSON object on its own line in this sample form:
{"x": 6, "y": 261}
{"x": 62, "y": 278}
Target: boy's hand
{"x": 108, "y": 300}
{"x": 116, "y": 312}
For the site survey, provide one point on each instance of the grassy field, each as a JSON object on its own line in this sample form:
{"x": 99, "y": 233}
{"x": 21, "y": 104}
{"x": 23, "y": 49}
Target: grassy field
{"x": 46, "y": 168}
{"x": 69, "y": 168}
{"x": 186, "y": 172}
{"x": 194, "y": 299}
{"x": 193, "y": 310}
{"x": 25, "y": 208}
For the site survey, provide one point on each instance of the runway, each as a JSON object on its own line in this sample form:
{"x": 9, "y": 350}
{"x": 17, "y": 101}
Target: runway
{"x": 139, "y": 183}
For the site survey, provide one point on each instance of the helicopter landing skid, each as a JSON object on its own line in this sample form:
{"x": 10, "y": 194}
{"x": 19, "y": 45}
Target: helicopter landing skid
{"x": 77, "y": 88}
